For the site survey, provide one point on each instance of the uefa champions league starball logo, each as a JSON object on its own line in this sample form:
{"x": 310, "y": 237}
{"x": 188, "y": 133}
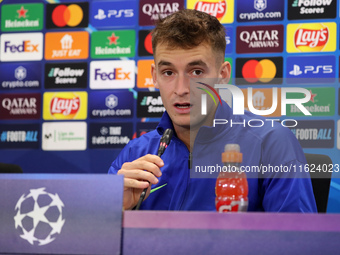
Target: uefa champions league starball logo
{"x": 39, "y": 216}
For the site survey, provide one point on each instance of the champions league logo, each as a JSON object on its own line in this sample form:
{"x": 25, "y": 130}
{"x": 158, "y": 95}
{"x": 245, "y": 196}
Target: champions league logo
{"x": 39, "y": 216}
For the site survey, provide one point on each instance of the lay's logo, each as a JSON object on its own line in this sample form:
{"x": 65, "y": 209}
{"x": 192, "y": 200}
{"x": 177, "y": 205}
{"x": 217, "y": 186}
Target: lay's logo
{"x": 311, "y": 37}
{"x": 217, "y": 9}
{"x": 223, "y": 10}
{"x": 65, "y": 105}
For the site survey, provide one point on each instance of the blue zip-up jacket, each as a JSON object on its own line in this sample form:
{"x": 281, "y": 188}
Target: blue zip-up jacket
{"x": 266, "y": 145}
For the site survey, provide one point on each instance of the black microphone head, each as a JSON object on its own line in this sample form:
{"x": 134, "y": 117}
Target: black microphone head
{"x": 167, "y": 135}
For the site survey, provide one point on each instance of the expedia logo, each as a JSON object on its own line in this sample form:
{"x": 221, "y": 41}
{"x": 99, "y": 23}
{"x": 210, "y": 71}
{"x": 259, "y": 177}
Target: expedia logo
{"x": 72, "y": 75}
{"x": 151, "y": 105}
{"x": 311, "y": 9}
{"x": 311, "y": 37}
{"x": 217, "y": 9}
{"x": 65, "y": 105}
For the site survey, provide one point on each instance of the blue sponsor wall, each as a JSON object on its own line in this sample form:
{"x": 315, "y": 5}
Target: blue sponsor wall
{"x": 299, "y": 39}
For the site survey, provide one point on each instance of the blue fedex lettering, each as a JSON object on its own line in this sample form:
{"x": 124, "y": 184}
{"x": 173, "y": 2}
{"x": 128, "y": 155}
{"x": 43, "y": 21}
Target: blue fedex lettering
{"x": 26, "y": 46}
{"x": 117, "y": 74}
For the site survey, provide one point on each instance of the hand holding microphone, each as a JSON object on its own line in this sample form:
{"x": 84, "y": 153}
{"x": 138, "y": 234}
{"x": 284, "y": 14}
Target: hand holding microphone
{"x": 163, "y": 144}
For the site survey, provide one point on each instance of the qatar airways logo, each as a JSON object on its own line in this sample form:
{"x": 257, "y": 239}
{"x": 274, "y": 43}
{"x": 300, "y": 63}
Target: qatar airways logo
{"x": 238, "y": 102}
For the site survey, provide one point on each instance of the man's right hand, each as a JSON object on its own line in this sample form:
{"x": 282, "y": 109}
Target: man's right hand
{"x": 138, "y": 175}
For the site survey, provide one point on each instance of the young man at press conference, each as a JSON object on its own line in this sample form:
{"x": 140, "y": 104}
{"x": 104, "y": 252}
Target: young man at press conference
{"x": 188, "y": 45}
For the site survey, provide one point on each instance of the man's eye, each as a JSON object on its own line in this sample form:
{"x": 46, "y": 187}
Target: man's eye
{"x": 167, "y": 73}
{"x": 197, "y": 72}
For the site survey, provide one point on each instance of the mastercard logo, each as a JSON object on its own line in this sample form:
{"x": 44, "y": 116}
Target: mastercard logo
{"x": 148, "y": 43}
{"x": 67, "y": 15}
{"x": 262, "y": 71}
{"x": 70, "y": 15}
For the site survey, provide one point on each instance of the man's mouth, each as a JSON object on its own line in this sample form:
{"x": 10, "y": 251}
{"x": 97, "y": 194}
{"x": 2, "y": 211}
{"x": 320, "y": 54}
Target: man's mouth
{"x": 183, "y": 106}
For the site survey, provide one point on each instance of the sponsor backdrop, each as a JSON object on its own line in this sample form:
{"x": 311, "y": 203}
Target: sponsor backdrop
{"x": 75, "y": 83}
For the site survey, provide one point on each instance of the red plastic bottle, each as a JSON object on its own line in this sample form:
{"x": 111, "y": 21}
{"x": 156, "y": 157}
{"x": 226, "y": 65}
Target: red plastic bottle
{"x": 231, "y": 184}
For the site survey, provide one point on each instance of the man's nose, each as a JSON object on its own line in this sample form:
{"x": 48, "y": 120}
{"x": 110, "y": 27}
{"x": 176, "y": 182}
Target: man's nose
{"x": 182, "y": 85}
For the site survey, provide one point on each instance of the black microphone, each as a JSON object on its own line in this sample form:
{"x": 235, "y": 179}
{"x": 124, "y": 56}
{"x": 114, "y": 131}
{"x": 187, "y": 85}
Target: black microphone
{"x": 163, "y": 144}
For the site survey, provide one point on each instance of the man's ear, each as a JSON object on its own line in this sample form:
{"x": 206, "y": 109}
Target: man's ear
{"x": 154, "y": 75}
{"x": 225, "y": 72}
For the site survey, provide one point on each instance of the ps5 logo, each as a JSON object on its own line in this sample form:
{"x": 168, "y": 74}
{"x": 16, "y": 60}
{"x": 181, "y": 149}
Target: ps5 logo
{"x": 126, "y": 13}
{"x": 323, "y": 69}
{"x": 260, "y": 5}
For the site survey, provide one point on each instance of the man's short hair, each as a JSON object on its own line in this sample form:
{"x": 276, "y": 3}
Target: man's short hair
{"x": 187, "y": 29}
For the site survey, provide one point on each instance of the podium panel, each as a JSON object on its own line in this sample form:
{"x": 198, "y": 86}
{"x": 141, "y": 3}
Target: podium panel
{"x": 236, "y": 233}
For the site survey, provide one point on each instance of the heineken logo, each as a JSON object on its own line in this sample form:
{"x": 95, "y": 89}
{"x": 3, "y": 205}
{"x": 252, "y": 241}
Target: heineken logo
{"x": 22, "y": 17}
{"x": 113, "y": 44}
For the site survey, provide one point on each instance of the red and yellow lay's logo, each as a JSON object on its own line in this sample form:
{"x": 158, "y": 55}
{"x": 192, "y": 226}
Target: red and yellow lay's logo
{"x": 311, "y": 37}
{"x": 223, "y": 10}
{"x": 65, "y": 105}
{"x": 217, "y": 8}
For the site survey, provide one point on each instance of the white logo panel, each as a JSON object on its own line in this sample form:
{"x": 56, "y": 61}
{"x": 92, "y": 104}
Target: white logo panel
{"x": 112, "y": 74}
{"x": 65, "y": 136}
{"x": 21, "y": 47}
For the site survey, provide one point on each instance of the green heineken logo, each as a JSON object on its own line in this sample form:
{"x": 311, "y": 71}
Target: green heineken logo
{"x": 22, "y": 17}
{"x": 113, "y": 44}
{"x": 322, "y": 102}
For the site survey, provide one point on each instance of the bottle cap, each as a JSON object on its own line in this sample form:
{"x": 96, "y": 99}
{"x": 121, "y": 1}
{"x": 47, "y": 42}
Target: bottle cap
{"x": 232, "y": 154}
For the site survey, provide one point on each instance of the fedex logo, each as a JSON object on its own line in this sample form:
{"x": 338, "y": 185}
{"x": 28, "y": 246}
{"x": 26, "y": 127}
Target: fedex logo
{"x": 116, "y": 74}
{"x": 21, "y": 47}
{"x": 26, "y": 46}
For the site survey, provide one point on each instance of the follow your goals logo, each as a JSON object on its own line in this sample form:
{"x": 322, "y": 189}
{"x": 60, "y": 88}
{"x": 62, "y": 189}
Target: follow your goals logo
{"x": 238, "y": 103}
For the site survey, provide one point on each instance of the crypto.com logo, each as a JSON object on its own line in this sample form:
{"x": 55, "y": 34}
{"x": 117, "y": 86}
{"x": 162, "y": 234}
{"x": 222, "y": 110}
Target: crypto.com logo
{"x": 238, "y": 99}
